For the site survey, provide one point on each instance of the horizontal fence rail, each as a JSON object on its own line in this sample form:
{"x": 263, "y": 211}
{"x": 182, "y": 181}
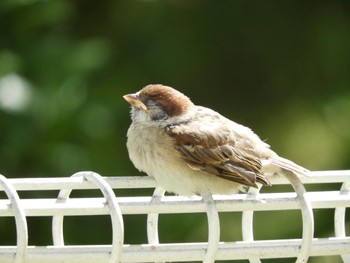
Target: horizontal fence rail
{"x": 116, "y": 206}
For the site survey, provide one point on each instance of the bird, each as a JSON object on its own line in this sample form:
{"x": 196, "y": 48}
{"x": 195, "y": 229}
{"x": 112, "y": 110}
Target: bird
{"x": 193, "y": 150}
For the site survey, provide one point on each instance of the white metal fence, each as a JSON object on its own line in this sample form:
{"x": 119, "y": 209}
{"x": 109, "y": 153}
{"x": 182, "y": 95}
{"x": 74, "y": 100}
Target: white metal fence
{"x": 152, "y": 206}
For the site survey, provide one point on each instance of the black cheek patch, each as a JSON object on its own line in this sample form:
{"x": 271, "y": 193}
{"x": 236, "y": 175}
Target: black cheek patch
{"x": 159, "y": 115}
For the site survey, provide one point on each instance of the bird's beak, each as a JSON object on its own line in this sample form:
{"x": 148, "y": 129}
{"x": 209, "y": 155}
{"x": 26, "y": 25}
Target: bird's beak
{"x": 135, "y": 100}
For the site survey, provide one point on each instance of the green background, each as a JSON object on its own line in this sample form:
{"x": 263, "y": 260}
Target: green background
{"x": 279, "y": 67}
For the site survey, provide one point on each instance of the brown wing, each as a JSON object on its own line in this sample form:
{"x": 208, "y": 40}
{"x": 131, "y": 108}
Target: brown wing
{"x": 218, "y": 150}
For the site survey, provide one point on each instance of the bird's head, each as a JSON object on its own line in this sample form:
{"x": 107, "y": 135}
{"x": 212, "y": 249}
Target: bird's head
{"x": 158, "y": 104}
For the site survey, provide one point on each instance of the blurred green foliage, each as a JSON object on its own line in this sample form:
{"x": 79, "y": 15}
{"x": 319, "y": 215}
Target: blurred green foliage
{"x": 279, "y": 67}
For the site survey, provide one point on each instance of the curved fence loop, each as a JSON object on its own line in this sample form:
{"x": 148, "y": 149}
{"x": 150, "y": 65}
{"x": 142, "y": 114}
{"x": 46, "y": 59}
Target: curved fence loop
{"x": 248, "y": 220}
{"x": 57, "y": 220}
{"x": 213, "y": 228}
{"x": 339, "y": 219}
{"x": 307, "y": 217}
{"x": 116, "y": 215}
{"x": 20, "y": 219}
{"x": 152, "y": 219}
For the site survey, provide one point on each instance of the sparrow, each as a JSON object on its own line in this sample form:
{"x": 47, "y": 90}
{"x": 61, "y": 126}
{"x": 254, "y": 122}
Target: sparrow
{"x": 193, "y": 150}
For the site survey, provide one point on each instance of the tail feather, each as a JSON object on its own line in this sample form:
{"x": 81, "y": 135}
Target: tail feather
{"x": 289, "y": 165}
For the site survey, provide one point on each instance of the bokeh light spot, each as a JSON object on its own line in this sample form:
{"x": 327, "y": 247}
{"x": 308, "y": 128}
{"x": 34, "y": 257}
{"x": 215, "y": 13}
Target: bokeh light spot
{"x": 14, "y": 93}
